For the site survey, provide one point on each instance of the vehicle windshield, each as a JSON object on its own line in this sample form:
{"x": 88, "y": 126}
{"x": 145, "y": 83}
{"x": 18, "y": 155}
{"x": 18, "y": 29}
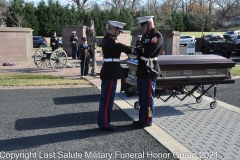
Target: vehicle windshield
{"x": 230, "y": 32}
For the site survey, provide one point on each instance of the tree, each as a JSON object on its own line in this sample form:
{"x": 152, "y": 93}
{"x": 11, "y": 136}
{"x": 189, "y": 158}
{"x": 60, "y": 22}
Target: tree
{"x": 226, "y": 9}
{"x": 31, "y": 18}
{"x": 84, "y": 4}
{"x": 15, "y": 17}
{"x": 43, "y": 18}
{"x": 3, "y": 12}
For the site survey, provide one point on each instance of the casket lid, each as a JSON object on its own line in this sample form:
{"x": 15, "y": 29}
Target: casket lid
{"x": 191, "y": 61}
{"x": 201, "y": 61}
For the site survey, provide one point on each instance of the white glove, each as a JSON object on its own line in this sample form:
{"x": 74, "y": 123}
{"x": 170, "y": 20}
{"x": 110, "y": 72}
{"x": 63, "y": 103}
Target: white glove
{"x": 91, "y": 60}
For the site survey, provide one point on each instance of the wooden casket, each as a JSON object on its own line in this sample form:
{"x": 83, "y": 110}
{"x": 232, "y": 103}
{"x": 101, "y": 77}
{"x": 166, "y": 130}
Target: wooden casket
{"x": 195, "y": 70}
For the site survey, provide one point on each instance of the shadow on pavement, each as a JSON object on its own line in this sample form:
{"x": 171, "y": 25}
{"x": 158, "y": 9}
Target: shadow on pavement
{"x": 38, "y": 140}
{"x": 64, "y": 120}
{"x": 77, "y": 99}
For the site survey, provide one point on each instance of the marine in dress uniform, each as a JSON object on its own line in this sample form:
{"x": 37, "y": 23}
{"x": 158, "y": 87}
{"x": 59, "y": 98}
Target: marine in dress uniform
{"x": 110, "y": 72}
{"x": 54, "y": 41}
{"x": 85, "y": 55}
{"x": 74, "y": 40}
{"x": 147, "y": 70}
{"x": 138, "y": 42}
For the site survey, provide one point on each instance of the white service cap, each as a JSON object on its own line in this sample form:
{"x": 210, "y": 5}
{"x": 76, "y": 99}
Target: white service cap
{"x": 144, "y": 20}
{"x": 73, "y": 31}
{"x": 139, "y": 36}
{"x": 117, "y": 24}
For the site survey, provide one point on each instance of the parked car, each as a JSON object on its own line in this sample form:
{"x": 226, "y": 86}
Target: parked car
{"x": 237, "y": 39}
{"x": 60, "y": 43}
{"x": 229, "y": 35}
{"x": 39, "y": 42}
{"x": 216, "y": 36}
{"x": 185, "y": 39}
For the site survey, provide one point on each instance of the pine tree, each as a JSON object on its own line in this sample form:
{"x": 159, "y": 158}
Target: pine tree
{"x": 31, "y": 18}
{"x": 42, "y": 18}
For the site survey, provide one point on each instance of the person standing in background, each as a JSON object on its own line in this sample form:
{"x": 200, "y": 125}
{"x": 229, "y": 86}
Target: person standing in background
{"x": 138, "y": 42}
{"x": 85, "y": 54}
{"x": 74, "y": 40}
{"x": 54, "y": 41}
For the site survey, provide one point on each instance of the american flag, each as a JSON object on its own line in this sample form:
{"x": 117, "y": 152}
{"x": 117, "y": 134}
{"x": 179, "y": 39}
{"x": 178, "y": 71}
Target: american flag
{"x": 92, "y": 25}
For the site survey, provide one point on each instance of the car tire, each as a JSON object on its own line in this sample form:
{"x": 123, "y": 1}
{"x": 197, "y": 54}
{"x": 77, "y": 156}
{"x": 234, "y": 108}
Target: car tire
{"x": 224, "y": 53}
{"x": 42, "y": 46}
{"x": 204, "y": 51}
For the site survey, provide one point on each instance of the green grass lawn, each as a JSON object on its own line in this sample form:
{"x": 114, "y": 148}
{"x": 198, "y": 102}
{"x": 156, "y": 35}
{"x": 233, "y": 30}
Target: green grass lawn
{"x": 235, "y": 71}
{"x": 20, "y": 79}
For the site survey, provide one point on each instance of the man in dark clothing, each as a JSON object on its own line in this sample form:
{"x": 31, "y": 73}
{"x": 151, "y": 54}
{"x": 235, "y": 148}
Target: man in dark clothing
{"x": 54, "y": 41}
{"x": 85, "y": 55}
{"x": 110, "y": 72}
{"x": 138, "y": 42}
{"x": 147, "y": 70}
{"x": 74, "y": 40}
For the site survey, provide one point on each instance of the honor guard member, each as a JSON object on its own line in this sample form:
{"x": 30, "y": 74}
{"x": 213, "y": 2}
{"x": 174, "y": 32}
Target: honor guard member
{"x": 138, "y": 42}
{"x": 85, "y": 55}
{"x": 147, "y": 70}
{"x": 54, "y": 41}
{"x": 110, "y": 72}
{"x": 74, "y": 40}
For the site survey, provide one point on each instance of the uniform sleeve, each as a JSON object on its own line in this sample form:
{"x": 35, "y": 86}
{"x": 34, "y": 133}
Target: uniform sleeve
{"x": 155, "y": 43}
{"x": 51, "y": 40}
{"x": 116, "y": 45}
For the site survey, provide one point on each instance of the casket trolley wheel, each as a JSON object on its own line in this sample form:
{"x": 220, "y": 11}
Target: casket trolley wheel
{"x": 199, "y": 99}
{"x": 41, "y": 58}
{"x": 136, "y": 105}
{"x": 58, "y": 60}
{"x": 213, "y": 104}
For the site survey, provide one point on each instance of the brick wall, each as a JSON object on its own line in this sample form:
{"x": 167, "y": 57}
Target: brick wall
{"x": 16, "y": 44}
{"x": 170, "y": 41}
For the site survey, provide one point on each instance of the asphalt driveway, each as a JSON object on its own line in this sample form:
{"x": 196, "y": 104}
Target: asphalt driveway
{"x": 61, "y": 123}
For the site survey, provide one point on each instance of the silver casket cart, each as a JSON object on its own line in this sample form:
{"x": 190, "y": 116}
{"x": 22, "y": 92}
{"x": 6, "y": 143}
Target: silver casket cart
{"x": 178, "y": 73}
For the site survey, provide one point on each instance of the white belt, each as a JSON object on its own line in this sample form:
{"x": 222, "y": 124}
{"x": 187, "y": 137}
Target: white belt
{"x": 146, "y": 59}
{"x": 111, "y": 60}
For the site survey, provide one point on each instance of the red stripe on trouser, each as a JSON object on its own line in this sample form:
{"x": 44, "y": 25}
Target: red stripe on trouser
{"x": 149, "y": 98}
{"x": 106, "y": 107}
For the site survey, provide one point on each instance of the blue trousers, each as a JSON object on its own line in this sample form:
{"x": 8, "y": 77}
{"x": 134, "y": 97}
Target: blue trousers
{"x": 146, "y": 91}
{"x": 74, "y": 52}
{"x": 84, "y": 68}
{"x": 108, "y": 90}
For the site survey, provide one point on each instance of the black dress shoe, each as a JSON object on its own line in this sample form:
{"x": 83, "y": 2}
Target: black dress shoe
{"x": 111, "y": 128}
{"x": 141, "y": 126}
{"x": 136, "y": 122}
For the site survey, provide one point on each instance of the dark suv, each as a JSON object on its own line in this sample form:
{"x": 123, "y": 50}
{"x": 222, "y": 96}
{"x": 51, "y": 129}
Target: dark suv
{"x": 39, "y": 42}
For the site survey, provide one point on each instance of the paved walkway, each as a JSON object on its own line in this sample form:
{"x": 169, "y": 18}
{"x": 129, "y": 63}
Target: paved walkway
{"x": 186, "y": 128}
